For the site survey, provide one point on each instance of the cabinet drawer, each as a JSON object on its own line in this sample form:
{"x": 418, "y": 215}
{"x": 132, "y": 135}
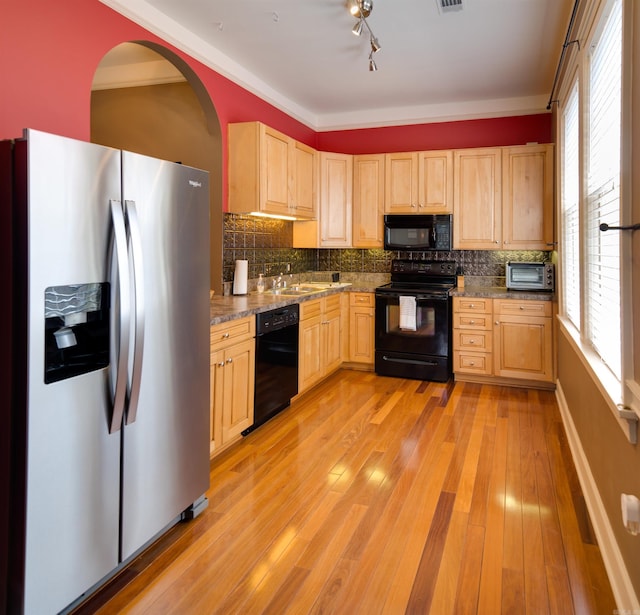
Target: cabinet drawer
{"x": 472, "y": 340}
{"x": 310, "y": 309}
{"x": 472, "y": 321}
{"x": 472, "y": 363}
{"x": 332, "y": 302}
{"x": 472, "y": 304}
{"x": 362, "y": 299}
{"x": 524, "y": 307}
{"x": 227, "y": 333}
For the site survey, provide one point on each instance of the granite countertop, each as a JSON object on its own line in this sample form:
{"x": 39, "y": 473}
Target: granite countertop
{"x": 500, "y": 292}
{"x": 224, "y": 309}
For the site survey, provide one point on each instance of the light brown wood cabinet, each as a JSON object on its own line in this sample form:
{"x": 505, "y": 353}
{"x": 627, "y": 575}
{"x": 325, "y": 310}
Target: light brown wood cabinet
{"x": 361, "y": 328}
{"x": 522, "y": 338}
{"x": 368, "y": 200}
{"x": 333, "y": 227}
{"x": 527, "y": 197}
{"x": 477, "y": 201}
{"x": 320, "y": 345}
{"x": 503, "y": 339}
{"x": 232, "y": 368}
{"x": 472, "y": 336}
{"x": 503, "y": 198}
{"x": 419, "y": 182}
{"x": 270, "y": 173}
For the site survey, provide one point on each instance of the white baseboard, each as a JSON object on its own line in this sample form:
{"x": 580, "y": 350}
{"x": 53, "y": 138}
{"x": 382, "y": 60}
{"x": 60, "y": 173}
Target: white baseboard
{"x": 623, "y": 591}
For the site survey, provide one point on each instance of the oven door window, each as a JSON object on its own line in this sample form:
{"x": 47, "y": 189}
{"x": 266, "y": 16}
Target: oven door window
{"x": 526, "y": 275}
{"x": 432, "y": 326}
{"x": 425, "y": 321}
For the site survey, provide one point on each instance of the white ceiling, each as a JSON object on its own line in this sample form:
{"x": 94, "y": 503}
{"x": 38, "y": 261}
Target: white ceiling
{"x": 492, "y": 58}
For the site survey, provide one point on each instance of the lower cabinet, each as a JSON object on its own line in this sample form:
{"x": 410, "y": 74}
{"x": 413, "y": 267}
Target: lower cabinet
{"x": 320, "y": 349}
{"x": 232, "y": 381}
{"x": 506, "y": 339}
{"x": 472, "y": 336}
{"x": 361, "y": 328}
{"x": 522, "y": 337}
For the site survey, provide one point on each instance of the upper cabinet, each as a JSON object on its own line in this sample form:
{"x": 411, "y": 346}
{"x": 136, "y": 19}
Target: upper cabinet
{"x": 503, "y": 198}
{"x": 333, "y": 227}
{"x": 270, "y": 173}
{"x": 477, "y": 203}
{"x": 527, "y": 197}
{"x": 419, "y": 182}
{"x": 368, "y": 200}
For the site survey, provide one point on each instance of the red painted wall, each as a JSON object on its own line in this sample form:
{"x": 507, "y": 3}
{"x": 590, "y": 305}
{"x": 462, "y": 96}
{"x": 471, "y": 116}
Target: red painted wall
{"x": 49, "y": 52}
{"x": 501, "y": 131}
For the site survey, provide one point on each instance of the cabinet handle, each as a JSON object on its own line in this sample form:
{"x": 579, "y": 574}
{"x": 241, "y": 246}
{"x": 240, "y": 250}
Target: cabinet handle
{"x": 472, "y": 341}
{"x": 472, "y": 363}
{"x": 221, "y": 364}
{"x": 522, "y": 307}
{"x": 413, "y": 205}
{"x": 230, "y": 360}
{"x": 225, "y": 335}
{"x": 497, "y": 322}
{"x": 472, "y": 322}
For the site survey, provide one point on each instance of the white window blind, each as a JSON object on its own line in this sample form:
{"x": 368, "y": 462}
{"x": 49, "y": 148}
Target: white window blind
{"x": 603, "y": 322}
{"x": 570, "y": 207}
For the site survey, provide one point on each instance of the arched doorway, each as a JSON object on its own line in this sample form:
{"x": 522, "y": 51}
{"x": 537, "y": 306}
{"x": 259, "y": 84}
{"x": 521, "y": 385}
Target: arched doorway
{"x": 148, "y": 100}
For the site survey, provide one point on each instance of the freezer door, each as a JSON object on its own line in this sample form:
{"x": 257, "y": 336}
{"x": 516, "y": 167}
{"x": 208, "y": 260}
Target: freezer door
{"x": 72, "y": 462}
{"x": 166, "y": 450}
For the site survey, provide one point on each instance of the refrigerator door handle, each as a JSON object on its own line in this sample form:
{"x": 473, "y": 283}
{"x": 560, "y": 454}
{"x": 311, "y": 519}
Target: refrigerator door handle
{"x": 124, "y": 320}
{"x": 135, "y": 245}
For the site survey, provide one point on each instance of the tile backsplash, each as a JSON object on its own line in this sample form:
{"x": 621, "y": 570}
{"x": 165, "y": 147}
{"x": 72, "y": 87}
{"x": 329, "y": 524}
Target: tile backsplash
{"x": 266, "y": 244}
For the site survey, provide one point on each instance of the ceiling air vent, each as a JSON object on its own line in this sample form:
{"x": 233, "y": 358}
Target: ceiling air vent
{"x": 449, "y": 6}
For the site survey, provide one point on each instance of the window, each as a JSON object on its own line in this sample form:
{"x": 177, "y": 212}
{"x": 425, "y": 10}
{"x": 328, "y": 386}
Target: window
{"x": 590, "y": 138}
{"x": 570, "y": 209}
{"x": 602, "y": 283}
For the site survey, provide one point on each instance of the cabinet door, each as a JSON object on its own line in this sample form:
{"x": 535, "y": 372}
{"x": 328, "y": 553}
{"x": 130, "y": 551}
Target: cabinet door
{"x": 309, "y": 355}
{"x": 336, "y": 188}
{"x": 274, "y": 171}
{"x": 368, "y": 201}
{"x": 435, "y": 182}
{"x": 477, "y": 201}
{"x": 522, "y": 347}
{"x": 527, "y": 214}
{"x": 304, "y": 180}
{"x": 331, "y": 342}
{"x": 401, "y": 183}
{"x": 361, "y": 335}
{"x": 239, "y": 378}
{"x": 216, "y": 384}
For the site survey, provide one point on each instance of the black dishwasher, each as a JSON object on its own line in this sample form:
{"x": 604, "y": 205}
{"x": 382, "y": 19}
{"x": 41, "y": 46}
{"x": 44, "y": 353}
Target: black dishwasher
{"x": 276, "y": 380}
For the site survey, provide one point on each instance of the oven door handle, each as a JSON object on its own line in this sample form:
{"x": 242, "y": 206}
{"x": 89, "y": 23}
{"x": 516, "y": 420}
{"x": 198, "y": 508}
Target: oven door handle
{"x": 419, "y": 297}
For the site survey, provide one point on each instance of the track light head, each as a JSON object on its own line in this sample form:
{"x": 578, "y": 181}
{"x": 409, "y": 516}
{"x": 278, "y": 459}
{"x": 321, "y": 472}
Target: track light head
{"x": 361, "y": 8}
{"x": 357, "y": 29}
{"x": 375, "y": 45}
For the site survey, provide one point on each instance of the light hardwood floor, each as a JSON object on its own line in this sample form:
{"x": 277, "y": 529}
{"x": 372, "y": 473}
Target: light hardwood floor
{"x": 383, "y": 495}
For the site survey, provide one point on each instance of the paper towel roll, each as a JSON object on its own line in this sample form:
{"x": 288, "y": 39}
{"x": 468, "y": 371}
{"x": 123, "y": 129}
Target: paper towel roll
{"x": 240, "y": 278}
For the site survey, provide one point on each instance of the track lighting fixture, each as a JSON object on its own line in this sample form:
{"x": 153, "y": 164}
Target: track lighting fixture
{"x": 361, "y": 9}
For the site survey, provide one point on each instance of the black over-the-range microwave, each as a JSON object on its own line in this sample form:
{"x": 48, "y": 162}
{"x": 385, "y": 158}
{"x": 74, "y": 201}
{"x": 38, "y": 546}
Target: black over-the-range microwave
{"x": 420, "y": 232}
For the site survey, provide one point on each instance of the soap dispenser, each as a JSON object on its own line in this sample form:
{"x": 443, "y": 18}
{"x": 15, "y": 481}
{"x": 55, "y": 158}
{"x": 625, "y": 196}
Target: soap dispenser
{"x": 260, "y": 283}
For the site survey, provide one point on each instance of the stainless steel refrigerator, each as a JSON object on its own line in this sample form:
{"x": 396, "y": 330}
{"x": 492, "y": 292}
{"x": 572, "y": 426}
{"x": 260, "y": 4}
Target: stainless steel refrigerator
{"x": 106, "y": 255}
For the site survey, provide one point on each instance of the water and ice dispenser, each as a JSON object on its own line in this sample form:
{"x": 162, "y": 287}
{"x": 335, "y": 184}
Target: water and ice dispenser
{"x": 76, "y": 330}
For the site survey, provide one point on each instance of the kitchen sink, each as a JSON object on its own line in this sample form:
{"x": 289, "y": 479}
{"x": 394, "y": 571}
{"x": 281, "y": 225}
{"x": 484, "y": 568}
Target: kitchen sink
{"x": 307, "y": 288}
